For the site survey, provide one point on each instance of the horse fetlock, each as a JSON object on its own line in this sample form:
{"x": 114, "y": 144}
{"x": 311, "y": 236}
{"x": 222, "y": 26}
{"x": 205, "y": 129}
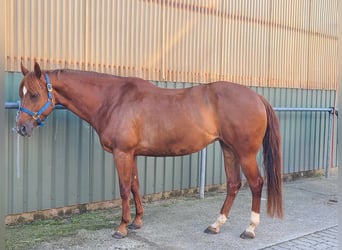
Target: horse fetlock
{"x": 251, "y": 228}
{"x": 219, "y": 222}
{"x": 255, "y": 220}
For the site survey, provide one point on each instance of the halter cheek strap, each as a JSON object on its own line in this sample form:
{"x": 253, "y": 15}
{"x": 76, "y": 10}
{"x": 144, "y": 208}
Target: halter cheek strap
{"x": 36, "y": 115}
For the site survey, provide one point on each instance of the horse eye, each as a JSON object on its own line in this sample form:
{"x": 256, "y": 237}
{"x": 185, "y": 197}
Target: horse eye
{"x": 34, "y": 95}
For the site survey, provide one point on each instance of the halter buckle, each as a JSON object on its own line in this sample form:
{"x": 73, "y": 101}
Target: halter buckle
{"x": 35, "y": 116}
{"x": 49, "y": 87}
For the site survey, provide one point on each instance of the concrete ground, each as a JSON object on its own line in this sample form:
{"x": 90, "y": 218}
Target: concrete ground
{"x": 310, "y": 222}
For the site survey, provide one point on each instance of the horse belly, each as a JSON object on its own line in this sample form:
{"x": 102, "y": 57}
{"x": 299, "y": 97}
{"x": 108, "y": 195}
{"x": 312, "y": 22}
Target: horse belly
{"x": 181, "y": 140}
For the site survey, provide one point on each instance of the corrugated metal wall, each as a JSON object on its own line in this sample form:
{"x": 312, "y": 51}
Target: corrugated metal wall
{"x": 285, "y": 50}
{"x": 63, "y": 163}
{"x": 260, "y": 43}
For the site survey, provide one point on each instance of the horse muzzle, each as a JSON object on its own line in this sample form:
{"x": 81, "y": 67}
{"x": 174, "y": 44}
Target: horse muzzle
{"x": 24, "y": 129}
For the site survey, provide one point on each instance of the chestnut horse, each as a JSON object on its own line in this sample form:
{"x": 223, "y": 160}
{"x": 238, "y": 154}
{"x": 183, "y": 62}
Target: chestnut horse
{"x": 134, "y": 117}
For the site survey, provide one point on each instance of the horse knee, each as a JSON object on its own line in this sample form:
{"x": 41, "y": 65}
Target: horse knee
{"x": 125, "y": 192}
{"x": 233, "y": 188}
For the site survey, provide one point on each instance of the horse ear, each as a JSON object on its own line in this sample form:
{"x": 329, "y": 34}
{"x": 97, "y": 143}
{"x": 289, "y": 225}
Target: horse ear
{"x": 23, "y": 69}
{"x": 37, "y": 70}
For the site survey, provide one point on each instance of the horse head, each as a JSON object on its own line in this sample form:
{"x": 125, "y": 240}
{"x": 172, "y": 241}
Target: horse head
{"x": 36, "y": 102}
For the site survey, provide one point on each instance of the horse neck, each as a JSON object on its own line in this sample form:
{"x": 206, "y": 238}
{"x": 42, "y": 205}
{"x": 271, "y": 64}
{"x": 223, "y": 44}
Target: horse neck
{"x": 78, "y": 94}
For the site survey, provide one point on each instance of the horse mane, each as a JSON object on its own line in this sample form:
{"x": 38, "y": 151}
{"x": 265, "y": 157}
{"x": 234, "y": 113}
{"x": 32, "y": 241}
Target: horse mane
{"x": 33, "y": 88}
{"x": 58, "y": 72}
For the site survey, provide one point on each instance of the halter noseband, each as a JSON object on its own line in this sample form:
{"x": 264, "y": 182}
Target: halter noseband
{"x": 36, "y": 115}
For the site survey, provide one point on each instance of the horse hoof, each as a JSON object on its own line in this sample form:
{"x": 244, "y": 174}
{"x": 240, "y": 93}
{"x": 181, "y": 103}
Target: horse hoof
{"x": 134, "y": 226}
{"x": 118, "y": 235}
{"x": 211, "y": 230}
{"x": 247, "y": 235}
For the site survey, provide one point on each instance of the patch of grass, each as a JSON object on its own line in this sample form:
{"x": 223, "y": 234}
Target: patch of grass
{"x": 26, "y": 236}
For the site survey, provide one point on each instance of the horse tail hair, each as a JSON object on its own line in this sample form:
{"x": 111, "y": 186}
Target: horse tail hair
{"x": 272, "y": 163}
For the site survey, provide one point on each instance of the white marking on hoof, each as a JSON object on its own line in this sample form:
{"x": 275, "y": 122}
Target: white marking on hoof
{"x": 255, "y": 220}
{"x": 219, "y": 222}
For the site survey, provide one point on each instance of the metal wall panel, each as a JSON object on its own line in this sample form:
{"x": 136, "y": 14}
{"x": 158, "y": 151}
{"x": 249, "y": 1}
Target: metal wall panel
{"x": 64, "y": 164}
{"x": 267, "y": 43}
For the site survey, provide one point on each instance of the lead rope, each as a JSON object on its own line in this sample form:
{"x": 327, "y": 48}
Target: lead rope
{"x": 18, "y": 145}
{"x": 18, "y": 156}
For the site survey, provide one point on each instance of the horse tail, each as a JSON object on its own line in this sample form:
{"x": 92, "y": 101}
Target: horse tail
{"x": 272, "y": 163}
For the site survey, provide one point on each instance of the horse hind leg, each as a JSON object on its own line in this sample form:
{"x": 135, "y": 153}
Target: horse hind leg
{"x": 232, "y": 169}
{"x": 255, "y": 182}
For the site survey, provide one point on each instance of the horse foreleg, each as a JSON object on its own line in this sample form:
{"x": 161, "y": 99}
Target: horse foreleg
{"x": 232, "y": 170}
{"x": 255, "y": 182}
{"x": 139, "y": 209}
{"x": 124, "y": 164}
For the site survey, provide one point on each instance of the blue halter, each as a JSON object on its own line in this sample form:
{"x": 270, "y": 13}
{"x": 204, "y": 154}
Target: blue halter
{"x": 36, "y": 115}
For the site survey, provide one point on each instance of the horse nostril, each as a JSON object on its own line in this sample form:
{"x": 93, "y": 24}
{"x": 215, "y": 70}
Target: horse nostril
{"x": 22, "y": 130}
